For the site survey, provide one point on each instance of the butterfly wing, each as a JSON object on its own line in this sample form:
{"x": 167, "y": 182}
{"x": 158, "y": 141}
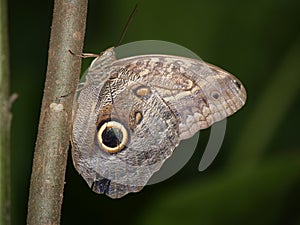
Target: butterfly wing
{"x": 198, "y": 93}
{"x": 130, "y": 121}
{"x": 147, "y": 125}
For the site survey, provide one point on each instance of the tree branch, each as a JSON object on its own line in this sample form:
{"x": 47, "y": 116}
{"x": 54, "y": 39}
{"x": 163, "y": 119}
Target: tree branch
{"x": 50, "y": 156}
{"x": 5, "y": 118}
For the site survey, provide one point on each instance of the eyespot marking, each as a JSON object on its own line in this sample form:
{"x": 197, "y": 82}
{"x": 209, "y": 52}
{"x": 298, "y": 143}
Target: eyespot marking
{"x": 237, "y": 84}
{"x": 215, "y": 95}
{"x": 142, "y": 91}
{"x": 112, "y": 137}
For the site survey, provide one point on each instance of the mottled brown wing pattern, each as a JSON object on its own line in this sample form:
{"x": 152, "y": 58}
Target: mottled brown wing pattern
{"x": 198, "y": 93}
{"x": 132, "y": 113}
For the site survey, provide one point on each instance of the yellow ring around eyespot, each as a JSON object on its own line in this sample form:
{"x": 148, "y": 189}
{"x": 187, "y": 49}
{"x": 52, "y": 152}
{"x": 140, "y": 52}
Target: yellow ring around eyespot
{"x": 117, "y": 125}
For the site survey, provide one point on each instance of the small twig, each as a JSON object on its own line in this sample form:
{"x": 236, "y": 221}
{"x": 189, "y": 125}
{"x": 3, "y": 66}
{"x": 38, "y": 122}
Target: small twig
{"x": 50, "y": 156}
{"x": 5, "y": 119}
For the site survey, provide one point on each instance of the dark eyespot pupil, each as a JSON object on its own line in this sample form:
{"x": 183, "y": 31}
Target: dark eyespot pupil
{"x": 215, "y": 95}
{"x": 112, "y": 137}
{"x": 238, "y": 84}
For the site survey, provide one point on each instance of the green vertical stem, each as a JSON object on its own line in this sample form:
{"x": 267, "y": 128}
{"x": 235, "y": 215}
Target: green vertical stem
{"x": 5, "y": 118}
{"x": 52, "y": 144}
{"x": 270, "y": 111}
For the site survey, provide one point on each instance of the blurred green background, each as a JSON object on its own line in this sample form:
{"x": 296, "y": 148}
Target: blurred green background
{"x": 256, "y": 176}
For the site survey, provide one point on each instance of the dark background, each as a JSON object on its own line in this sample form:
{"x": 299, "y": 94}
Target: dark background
{"x": 256, "y": 176}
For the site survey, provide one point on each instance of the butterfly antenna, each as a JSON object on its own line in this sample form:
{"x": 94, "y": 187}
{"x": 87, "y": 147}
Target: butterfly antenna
{"x": 130, "y": 18}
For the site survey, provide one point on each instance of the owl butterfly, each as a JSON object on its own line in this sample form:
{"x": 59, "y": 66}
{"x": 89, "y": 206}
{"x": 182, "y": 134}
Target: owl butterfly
{"x": 131, "y": 113}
